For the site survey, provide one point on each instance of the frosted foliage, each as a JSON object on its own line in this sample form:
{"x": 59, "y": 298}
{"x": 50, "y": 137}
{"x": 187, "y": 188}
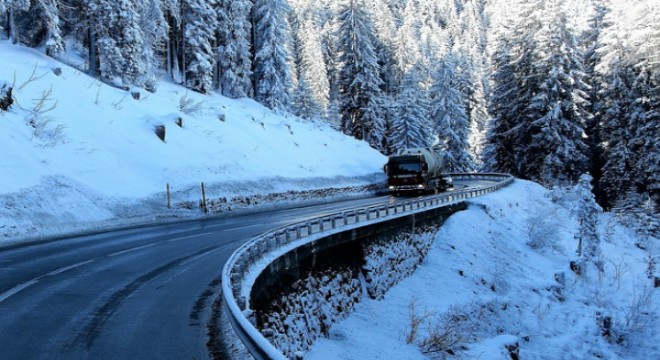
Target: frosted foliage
{"x": 295, "y": 320}
{"x": 18, "y": 4}
{"x": 200, "y": 21}
{"x": 556, "y": 87}
{"x": 312, "y": 63}
{"x": 359, "y": 78}
{"x": 233, "y": 50}
{"x": 587, "y": 212}
{"x": 389, "y": 263}
{"x": 449, "y": 114}
{"x": 410, "y": 127}
{"x": 272, "y": 62}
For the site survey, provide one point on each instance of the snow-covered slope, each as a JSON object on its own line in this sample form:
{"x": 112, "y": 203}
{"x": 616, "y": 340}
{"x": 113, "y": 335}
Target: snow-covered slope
{"x": 77, "y": 153}
{"x": 498, "y": 273}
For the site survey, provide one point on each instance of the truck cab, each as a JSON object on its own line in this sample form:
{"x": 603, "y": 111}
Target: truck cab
{"x": 406, "y": 172}
{"x": 417, "y": 170}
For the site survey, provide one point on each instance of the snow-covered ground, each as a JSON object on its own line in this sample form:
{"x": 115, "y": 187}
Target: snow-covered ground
{"x": 498, "y": 274}
{"x": 78, "y": 154}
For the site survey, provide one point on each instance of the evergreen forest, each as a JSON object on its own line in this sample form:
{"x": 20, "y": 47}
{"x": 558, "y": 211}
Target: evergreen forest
{"x": 546, "y": 90}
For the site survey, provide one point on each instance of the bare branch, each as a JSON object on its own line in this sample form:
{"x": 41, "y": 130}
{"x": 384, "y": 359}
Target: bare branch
{"x": 33, "y": 77}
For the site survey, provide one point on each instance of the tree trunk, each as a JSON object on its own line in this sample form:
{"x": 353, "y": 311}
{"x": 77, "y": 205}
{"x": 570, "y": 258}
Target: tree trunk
{"x": 93, "y": 59}
{"x": 11, "y": 30}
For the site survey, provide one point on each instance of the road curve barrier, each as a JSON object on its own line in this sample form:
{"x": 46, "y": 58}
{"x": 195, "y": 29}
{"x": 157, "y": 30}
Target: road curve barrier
{"x": 253, "y": 257}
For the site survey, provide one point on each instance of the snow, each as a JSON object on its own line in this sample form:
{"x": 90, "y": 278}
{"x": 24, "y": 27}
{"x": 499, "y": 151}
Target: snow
{"x": 94, "y": 161}
{"x": 482, "y": 271}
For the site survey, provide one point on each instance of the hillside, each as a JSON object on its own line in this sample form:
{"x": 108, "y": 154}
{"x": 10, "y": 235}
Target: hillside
{"x": 498, "y": 274}
{"x": 78, "y": 154}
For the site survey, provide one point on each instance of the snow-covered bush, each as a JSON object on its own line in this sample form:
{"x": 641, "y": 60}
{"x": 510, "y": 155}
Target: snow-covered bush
{"x": 295, "y": 320}
{"x": 637, "y": 317}
{"x": 387, "y": 263}
{"x": 541, "y": 230}
{"x": 451, "y": 331}
{"x": 641, "y": 213}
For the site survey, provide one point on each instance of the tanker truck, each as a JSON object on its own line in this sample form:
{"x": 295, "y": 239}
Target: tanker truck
{"x": 417, "y": 170}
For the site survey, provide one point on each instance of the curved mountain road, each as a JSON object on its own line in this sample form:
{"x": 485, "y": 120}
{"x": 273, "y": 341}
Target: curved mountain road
{"x": 144, "y": 293}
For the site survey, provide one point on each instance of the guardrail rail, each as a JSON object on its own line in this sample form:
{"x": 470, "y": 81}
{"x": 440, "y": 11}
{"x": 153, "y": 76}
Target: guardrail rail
{"x": 249, "y": 260}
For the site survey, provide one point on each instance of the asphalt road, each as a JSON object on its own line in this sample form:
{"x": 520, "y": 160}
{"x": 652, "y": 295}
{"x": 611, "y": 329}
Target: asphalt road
{"x": 144, "y": 293}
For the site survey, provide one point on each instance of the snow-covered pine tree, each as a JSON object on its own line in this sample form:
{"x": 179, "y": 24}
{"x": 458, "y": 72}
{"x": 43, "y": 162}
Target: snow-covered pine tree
{"x": 516, "y": 81}
{"x": 174, "y": 39}
{"x": 499, "y": 153}
{"x": 449, "y": 114}
{"x": 13, "y": 8}
{"x": 40, "y": 26}
{"x": 234, "y": 43}
{"x": 3, "y": 9}
{"x": 199, "y": 23}
{"x": 410, "y": 127}
{"x": 618, "y": 75}
{"x": 130, "y": 40}
{"x": 154, "y": 34}
{"x": 105, "y": 58}
{"x": 384, "y": 22}
{"x": 645, "y": 129}
{"x": 587, "y": 211}
{"x": 591, "y": 43}
{"x": 646, "y": 126}
{"x": 473, "y": 44}
{"x": 557, "y": 154}
{"x": 311, "y": 61}
{"x": 115, "y": 35}
{"x": 273, "y": 43}
{"x": 359, "y": 75}
{"x": 304, "y": 103}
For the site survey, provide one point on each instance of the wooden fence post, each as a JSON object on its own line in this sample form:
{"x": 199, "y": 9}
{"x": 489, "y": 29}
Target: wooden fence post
{"x": 204, "y": 208}
{"x": 169, "y": 197}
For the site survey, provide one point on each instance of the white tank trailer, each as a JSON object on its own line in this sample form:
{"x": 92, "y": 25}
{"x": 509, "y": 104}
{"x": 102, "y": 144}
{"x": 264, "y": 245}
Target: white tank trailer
{"x": 417, "y": 170}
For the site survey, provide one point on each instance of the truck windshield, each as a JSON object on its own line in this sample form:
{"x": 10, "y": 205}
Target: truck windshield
{"x": 404, "y": 165}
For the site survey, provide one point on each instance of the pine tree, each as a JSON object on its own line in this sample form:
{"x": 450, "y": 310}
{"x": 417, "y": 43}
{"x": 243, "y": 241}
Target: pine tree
{"x": 311, "y": 61}
{"x": 199, "y": 23}
{"x": 40, "y": 26}
{"x": 410, "y": 126}
{"x": 557, "y": 153}
{"x": 516, "y": 82}
{"x": 304, "y": 103}
{"x": 646, "y": 120}
{"x": 592, "y": 43}
{"x": 115, "y": 35}
{"x": 234, "y": 42}
{"x": 587, "y": 211}
{"x": 154, "y": 34}
{"x": 359, "y": 76}
{"x": 617, "y": 101}
{"x": 499, "y": 153}
{"x": 449, "y": 115}
{"x": 273, "y": 41}
{"x": 14, "y": 7}
{"x": 130, "y": 39}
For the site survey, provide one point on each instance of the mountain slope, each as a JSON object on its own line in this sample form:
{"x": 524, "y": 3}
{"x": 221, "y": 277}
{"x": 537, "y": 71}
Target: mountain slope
{"x": 78, "y": 153}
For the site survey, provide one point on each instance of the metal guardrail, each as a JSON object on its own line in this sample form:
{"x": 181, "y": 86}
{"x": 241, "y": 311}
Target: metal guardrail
{"x": 254, "y": 256}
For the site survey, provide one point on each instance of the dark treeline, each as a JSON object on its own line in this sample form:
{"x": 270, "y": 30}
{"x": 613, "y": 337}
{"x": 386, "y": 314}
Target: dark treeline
{"x": 546, "y": 90}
